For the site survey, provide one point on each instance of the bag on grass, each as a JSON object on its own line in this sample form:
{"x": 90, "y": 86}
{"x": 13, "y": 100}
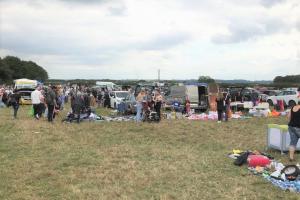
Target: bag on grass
{"x": 242, "y": 159}
{"x": 258, "y": 160}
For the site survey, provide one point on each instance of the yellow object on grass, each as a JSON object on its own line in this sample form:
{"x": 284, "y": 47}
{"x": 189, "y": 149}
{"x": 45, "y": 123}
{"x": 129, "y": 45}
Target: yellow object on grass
{"x": 236, "y": 151}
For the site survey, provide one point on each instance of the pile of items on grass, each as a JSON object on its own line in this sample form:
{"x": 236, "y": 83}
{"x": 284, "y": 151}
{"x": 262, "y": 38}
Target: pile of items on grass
{"x": 286, "y": 177}
{"x": 91, "y": 116}
{"x": 213, "y": 115}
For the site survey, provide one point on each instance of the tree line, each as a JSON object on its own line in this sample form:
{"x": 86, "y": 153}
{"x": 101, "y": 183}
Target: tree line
{"x": 12, "y": 68}
{"x": 287, "y": 79}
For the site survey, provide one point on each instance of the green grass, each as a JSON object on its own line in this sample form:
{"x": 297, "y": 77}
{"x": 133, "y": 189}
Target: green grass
{"x": 177, "y": 159}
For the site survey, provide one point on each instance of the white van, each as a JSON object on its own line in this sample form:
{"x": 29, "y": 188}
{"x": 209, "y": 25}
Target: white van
{"x": 108, "y": 85}
{"x": 197, "y": 94}
{"x": 25, "y": 84}
{"x": 116, "y": 97}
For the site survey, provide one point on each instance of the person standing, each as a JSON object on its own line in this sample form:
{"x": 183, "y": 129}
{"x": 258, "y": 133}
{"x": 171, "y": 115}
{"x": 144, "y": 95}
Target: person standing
{"x": 106, "y": 99}
{"x": 13, "y": 100}
{"x": 158, "y": 99}
{"x": 51, "y": 103}
{"x": 62, "y": 98}
{"x": 1, "y": 96}
{"x": 99, "y": 98}
{"x": 78, "y": 105}
{"x": 36, "y": 97}
{"x": 227, "y": 106}
{"x": 294, "y": 129}
{"x": 139, "y": 105}
{"x": 220, "y": 107}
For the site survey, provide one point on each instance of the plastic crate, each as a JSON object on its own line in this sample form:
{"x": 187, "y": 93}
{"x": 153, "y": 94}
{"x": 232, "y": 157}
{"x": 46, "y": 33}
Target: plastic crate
{"x": 278, "y": 138}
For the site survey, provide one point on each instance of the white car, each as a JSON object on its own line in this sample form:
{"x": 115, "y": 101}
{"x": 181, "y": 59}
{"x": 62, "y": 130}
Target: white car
{"x": 116, "y": 97}
{"x": 289, "y": 97}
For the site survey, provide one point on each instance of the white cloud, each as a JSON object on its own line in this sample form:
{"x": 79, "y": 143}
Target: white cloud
{"x": 133, "y": 38}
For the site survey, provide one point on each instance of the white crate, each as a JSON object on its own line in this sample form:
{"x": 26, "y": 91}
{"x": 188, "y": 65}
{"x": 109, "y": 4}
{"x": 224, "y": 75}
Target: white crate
{"x": 278, "y": 138}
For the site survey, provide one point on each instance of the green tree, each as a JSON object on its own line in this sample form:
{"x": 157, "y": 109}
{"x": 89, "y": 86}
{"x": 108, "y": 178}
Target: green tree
{"x": 206, "y": 79}
{"x": 14, "y": 68}
{"x": 5, "y": 72}
{"x": 15, "y": 65}
{"x": 287, "y": 79}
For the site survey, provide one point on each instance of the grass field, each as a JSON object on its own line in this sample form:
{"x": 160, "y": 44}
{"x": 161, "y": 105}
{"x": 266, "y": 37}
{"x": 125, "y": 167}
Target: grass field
{"x": 125, "y": 160}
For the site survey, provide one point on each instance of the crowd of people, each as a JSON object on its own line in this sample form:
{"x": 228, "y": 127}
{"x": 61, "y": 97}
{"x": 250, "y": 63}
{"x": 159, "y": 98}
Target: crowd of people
{"x": 82, "y": 100}
{"x": 49, "y": 101}
{"x": 147, "y": 101}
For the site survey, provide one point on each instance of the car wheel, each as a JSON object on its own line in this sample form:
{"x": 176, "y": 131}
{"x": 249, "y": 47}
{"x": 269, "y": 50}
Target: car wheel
{"x": 292, "y": 103}
{"x": 270, "y": 102}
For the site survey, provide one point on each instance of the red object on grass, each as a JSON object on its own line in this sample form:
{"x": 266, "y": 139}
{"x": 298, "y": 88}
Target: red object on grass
{"x": 258, "y": 160}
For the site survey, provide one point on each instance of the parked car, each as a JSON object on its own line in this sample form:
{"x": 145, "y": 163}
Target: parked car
{"x": 116, "y": 97}
{"x": 25, "y": 84}
{"x": 271, "y": 92}
{"x": 244, "y": 94}
{"x": 106, "y": 85}
{"x": 130, "y": 104}
{"x": 263, "y": 97}
{"x": 25, "y": 98}
{"x": 197, "y": 93}
{"x": 291, "y": 89}
{"x": 289, "y": 97}
{"x": 177, "y": 93}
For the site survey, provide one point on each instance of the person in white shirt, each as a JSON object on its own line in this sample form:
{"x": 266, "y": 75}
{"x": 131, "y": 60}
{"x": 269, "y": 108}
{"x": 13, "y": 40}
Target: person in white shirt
{"x": 36, "y": 97}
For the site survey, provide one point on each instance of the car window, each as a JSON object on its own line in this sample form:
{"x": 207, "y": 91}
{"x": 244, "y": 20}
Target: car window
{"x": 130, "y": 97}
{"x": 112, "y": 94}
{"x": 246, "y": 92}
{"x": 280, "y": 94}
{"x": 289, "y": 93}
{"x": 122, "y": 94}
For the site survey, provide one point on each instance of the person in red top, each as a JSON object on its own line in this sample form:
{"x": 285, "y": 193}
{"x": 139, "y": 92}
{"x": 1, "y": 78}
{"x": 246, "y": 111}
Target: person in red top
{"x": 294, "y": 129}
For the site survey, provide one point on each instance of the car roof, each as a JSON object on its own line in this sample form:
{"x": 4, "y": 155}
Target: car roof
{"x": 121, "y": 91}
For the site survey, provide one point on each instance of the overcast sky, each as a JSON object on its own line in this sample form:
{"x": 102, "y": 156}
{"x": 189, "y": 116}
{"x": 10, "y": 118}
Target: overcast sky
{"x": 132, "y": 39}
